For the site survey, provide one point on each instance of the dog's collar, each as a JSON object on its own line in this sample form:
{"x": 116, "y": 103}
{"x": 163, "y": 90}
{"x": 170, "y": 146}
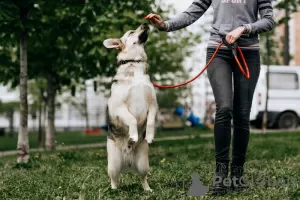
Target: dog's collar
{"x": 123, "y": 62}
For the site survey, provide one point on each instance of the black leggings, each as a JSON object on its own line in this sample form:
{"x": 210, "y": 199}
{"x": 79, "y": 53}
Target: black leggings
{"x": 232, "y": 102}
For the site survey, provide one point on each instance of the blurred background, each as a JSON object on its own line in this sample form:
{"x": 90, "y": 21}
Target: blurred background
{"x": 69, "y": 71}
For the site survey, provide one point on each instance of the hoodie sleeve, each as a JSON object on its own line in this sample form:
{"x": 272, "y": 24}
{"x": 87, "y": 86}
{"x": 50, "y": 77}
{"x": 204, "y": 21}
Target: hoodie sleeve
{"x": 266, "y": 23}
{"x": 192, "y": 14}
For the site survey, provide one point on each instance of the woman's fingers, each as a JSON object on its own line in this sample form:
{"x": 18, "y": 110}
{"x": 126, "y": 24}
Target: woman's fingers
{"x": 156, "y": 17}
{"x": 227, "y": 38}
{"x": 230, "y": 38}
{"x": 149, "y": 16}
{"x": 153, "y": 17}
{"x": 156, "y": 20}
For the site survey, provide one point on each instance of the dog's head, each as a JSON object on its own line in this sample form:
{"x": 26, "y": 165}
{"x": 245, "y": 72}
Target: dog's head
{"x": 131, "y": 44}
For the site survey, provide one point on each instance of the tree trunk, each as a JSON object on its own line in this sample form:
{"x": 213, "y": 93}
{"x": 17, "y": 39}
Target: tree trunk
{"x": 286, "y": 57}
{"x": 11, "y": 123}
{"x": 23, "y": 144}
{"x": 40, "y": 128}
{"x": 44, "y": 119}
{"x": 50, "y": 131}
{"x": 265, "y": 116}
{"x": 86, "y": 112}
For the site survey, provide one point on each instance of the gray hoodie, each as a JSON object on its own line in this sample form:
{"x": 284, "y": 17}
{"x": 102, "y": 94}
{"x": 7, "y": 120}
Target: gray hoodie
{"x": 228, "y": 15}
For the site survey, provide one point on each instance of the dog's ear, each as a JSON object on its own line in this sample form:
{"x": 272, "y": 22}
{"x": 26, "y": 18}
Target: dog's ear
{"x": 113, "y": 43}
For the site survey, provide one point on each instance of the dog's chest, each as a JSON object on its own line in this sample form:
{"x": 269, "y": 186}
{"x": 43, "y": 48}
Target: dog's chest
{"x": 134, "y": 89}
{"x": 139, "y": 99}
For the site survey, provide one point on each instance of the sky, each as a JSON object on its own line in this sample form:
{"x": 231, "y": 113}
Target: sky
{"x": 179, "y": 4}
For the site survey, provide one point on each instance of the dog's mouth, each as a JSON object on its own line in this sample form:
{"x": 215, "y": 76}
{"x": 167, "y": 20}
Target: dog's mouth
{"x": 143, "y": 37}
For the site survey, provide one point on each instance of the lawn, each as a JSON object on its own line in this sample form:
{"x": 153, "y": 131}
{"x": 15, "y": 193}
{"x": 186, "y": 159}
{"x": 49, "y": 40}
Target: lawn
{"x": 62, "y": 138}
{"x": 72, "y": 138}
{"x": 82, "y": 174}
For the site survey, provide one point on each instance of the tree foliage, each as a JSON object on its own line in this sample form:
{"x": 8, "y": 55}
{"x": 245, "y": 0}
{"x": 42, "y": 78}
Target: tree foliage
{"x": 273, "y": 51}
{"x": 290, "y": 5}
{"x": 65, "y": 44}
{"x": 66, "y": 41}
{"x": 8, "y": 107}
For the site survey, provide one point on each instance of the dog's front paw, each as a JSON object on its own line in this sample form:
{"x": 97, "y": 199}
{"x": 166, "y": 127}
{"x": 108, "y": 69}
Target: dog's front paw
{"x": 149, "y": 134}
{"x": 149, "y": 139}
{"x": 133, "y": 138}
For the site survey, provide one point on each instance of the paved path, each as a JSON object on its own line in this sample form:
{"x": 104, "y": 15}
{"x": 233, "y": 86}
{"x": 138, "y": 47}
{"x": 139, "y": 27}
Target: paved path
{"x": 103, "y": 144}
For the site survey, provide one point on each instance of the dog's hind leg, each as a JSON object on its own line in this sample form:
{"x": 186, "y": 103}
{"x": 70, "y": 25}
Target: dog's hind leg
{"x": 128, "y": 119}
{"x": 114, "y": 165}
{"x": 142, "y": 164}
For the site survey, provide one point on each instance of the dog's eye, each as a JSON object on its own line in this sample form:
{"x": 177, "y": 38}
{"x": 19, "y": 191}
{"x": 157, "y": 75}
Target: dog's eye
{"x": 131, "y": 32}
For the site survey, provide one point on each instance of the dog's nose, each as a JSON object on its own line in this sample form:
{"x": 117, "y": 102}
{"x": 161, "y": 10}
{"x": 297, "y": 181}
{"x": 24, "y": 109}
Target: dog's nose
{"x": 145, "y": 25}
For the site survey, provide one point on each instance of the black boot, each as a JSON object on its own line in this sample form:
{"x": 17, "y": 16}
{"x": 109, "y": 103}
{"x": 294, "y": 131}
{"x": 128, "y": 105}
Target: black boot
{"x": 239, "y": 149}
{"x": 221, "y": 173}
{"x": 238, "y": 182}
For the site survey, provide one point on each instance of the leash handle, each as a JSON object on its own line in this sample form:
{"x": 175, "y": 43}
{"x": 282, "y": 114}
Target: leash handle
{"x": 233, "y": 47}
{"x": 247, "y": 73}
{"x": 229, "y": 46}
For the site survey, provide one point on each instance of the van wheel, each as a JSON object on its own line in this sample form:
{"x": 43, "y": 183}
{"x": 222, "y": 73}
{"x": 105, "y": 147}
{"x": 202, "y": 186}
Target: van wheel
{"x": 287, "y": 120}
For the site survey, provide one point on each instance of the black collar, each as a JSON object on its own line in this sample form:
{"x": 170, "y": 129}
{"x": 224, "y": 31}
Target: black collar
{"x": 123, "y": 62}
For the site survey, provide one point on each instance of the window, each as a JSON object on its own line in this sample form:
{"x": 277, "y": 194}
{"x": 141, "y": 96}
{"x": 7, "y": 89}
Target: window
{"x": 283, "y": 81}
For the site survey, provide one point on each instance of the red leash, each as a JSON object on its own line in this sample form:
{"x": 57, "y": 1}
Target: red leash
{"x": 246, "y": 74}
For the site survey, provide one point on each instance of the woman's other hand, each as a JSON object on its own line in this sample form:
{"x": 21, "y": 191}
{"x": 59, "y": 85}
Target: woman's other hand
{"x": 156, "y": 21}
{"x": 232, "y": 36}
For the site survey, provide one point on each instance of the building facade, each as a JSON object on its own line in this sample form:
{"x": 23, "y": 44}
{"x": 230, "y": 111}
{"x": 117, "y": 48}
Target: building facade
{"x": 294, "y": 29}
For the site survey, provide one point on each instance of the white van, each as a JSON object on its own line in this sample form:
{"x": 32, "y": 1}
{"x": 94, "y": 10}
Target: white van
{"x": 284, "y": 97}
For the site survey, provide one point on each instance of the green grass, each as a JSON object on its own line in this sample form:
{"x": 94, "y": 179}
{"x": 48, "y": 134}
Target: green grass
{"x": 82, "y": 174}
{"x": 72, "y": 138}
{"x": 62, "y": 138}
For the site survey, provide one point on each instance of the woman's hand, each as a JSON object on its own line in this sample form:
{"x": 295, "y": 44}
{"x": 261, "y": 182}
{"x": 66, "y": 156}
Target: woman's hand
{"x": 156, "y": 21}
{"x": 232, "y": 36}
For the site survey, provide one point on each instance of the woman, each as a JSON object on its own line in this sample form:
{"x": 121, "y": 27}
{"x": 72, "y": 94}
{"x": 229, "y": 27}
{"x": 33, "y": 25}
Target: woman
{"x": 235, "y": 21}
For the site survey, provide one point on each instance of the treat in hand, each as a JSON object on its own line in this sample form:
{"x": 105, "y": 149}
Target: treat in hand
{"x": 156, "y": 21}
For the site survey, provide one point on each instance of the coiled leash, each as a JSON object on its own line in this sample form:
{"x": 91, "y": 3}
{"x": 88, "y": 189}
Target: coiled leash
{"x": 235, "y": 50}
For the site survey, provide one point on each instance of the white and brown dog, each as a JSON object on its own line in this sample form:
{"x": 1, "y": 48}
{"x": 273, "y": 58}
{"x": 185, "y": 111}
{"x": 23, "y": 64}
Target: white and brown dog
{"x": 132, "y": 108}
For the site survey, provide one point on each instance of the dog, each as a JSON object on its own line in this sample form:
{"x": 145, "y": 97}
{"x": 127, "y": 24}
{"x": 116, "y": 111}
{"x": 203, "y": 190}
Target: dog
{"x": 131, "y": 108}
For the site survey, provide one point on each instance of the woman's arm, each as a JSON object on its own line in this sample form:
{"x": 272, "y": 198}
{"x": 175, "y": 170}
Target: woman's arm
{"x": 266, "y": 23}
{"x": 193, "y": 13}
